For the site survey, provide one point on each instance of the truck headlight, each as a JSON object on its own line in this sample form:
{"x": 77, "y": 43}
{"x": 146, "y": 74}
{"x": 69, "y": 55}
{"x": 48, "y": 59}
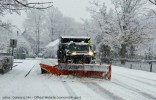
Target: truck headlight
{"x": 73, "y": 53}
{"x": 91, "y": 53}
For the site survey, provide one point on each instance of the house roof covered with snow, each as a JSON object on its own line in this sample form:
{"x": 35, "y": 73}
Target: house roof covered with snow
{"x": 52, "y": 44}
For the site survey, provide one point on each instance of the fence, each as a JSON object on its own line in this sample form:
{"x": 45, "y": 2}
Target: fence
{"x": 146, "y": 65}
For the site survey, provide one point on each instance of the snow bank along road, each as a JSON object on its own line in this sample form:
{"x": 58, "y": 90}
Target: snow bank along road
{"x": 25, "y": 82}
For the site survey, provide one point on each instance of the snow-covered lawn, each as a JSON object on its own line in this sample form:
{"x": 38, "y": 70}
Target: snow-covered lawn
{"x": 25, "y": 82}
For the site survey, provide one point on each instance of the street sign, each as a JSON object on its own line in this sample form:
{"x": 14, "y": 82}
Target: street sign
{"x": 13, "y": 43}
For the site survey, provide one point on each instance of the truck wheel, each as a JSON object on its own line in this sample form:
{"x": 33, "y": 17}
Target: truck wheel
{"x": 43, "y": 71}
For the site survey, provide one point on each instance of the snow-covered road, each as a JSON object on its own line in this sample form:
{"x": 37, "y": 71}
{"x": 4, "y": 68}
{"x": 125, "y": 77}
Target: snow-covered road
{"x": 25, "y": 82}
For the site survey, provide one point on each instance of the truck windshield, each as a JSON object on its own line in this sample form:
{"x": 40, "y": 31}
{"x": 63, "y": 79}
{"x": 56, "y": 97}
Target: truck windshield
{"x": 76, "y": 47}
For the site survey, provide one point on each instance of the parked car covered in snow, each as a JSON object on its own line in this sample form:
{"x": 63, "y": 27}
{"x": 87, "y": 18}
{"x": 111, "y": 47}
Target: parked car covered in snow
{"x": 6, "y": 62}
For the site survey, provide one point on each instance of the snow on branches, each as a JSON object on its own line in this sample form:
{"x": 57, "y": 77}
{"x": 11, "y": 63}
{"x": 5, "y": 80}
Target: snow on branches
{"x": 16, "y": 5}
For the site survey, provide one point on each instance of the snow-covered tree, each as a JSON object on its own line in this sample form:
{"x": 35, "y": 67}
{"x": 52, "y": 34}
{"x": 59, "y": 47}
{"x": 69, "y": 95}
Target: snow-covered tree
{"x": 132, "y": 32}
{"x": 54, "y": 23}
{"x": 10, "y": 6}
{"x": 123, "y": 28}
{"x": 14, "y": 6}
{"x": 102, "y": 26}
{"x": 34, "y": 26}
{"x": 48, "y": 25}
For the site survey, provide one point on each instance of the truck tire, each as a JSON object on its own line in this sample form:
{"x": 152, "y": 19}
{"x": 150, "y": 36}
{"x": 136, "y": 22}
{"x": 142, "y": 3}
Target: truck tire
{"x": 43, "y": 71}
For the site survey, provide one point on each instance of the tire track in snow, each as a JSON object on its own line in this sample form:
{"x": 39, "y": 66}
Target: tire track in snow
{"x": 149, "y": 96}
{"x": 139, "y": 80}
{"x": 101, "y": 91}
{"x": 29, "y": 71}
{"x": 69, "y": 89}
{"x": 140, "y": 77}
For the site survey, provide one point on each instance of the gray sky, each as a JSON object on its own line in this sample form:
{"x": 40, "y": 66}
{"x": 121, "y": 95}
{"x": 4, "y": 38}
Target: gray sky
{"x": 75, "y": 9}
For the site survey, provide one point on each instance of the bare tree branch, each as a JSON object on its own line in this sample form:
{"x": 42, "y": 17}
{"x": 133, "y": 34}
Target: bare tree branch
{"x": 28, "y": 5}
{"x": 153, "y": 2}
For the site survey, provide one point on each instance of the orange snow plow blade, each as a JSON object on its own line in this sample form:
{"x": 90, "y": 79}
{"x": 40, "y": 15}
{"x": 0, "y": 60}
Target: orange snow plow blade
{"x": 82, "y": 70}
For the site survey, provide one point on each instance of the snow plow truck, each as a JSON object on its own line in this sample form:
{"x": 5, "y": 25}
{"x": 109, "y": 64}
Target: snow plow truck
{"x": 76, "y": 56}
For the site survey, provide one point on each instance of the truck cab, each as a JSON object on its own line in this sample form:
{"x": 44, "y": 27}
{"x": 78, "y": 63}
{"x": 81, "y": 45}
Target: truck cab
{"x": 76, "y": 50}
